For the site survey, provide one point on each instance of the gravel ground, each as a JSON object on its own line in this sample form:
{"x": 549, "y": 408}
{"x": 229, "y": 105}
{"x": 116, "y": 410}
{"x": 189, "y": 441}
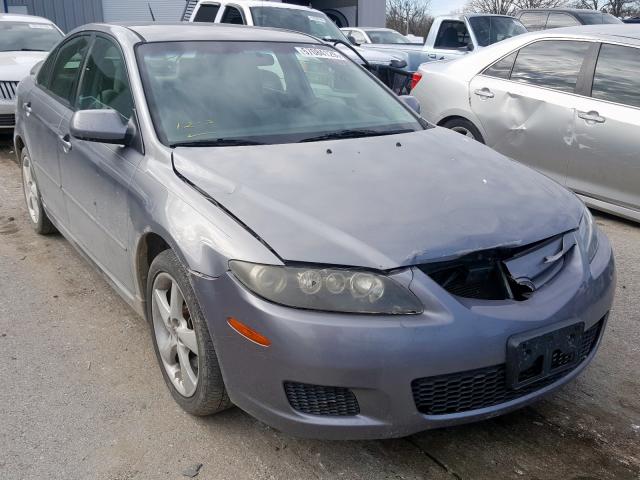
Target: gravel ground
{"x": 83, "y": 398}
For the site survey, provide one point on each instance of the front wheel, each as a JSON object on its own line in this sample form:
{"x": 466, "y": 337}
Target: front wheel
{"x": 464, "y": 127}
{"x": 181, "y": 338}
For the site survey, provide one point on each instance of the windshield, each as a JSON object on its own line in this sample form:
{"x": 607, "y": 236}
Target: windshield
{"x": 257, "y": 92}
{"x": 386, "y": 36}
{"x": 489, "y": 30}
{"x": 22, "y": 36}
{"x": 306, "y": 21}
{"x": 597, "y": 18}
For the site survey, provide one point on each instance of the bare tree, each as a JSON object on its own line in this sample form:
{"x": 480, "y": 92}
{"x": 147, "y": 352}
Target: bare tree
{"x": 540, "y": 3}
{"x": 409, "y": 16}
{"x": 621, "y": 8}
{"x": 591, "y": 4}
{"x": 502, "y": 7}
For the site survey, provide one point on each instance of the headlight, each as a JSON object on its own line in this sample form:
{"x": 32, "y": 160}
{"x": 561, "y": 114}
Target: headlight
{"x": 588, "y": 235}
{"x": 327, "y": 289}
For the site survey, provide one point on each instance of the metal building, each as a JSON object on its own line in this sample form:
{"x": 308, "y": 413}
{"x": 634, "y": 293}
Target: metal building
{"x": 68, "y": 14}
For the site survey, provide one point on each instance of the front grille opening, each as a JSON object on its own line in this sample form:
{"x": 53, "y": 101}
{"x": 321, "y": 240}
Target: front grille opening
{"x": 321, "y": 400}
{"x": 480, "y": 275}
{"x": 489, "y": 274}
{"x": 485, "y": 387}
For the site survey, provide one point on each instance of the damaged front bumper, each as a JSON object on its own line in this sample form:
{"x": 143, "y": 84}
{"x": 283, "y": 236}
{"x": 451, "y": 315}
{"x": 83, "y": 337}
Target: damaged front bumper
{"x": 345, "y": 376}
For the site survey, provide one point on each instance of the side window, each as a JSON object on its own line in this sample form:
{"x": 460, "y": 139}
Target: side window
{"x": 42, "y": 78}
{"x": 617, "y": 76}
{"x": 207, "y": 13}
{"x": 452, "y": 35}
{"x": 534, "y": 20}
{"x": 105, "y": 83}
{"x": 552, "y": 64}
{"x": 233, "y": 15}
{"x": 559, "y": 20}
{"x": 502, "y": 68}
{"x": 66, "y": 69}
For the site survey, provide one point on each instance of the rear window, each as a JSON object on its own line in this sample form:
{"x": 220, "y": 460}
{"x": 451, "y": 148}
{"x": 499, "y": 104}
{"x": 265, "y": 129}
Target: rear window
{"x": 552, "y": 64}
{"x": 489, "y": 30}
{"x": 559, "y": 20}
{"x": 534, "y": 20}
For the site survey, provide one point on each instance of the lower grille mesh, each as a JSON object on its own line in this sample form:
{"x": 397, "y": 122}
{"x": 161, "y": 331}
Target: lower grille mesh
{"x": 7, "y": 120}
{"x": 484, "y": 387}
{"x": 320, "y": 400}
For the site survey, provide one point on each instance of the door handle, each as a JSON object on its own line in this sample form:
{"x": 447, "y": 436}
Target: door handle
{"x": 591, "y": 117}
{"x": 484, "y": 93}
{"x": 26, "y": 106}
{"x": 65, "y": 140}
{"x": 432, "y": 55}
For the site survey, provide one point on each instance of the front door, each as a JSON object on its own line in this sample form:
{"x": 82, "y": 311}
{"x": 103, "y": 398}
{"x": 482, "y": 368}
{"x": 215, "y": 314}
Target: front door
{"x": 607, "y": 129}
{"x": 96, "y": 176}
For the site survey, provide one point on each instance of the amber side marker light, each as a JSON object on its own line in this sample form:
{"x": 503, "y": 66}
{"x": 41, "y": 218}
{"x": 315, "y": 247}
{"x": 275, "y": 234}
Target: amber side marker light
{"x": 248, "y": 333}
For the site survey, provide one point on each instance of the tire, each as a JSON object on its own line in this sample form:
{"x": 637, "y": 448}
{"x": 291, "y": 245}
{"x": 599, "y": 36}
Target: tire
{"x": 193, "y": 377}
{"x": 464, "y": 127}
{"x": 39, "y": 219}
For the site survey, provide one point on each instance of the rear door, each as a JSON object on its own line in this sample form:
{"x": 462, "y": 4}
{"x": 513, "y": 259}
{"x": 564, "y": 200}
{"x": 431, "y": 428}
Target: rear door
{"x": 526, "y": 103}
{"x": 56, "y": 83}
{"x": 608, "y": 130}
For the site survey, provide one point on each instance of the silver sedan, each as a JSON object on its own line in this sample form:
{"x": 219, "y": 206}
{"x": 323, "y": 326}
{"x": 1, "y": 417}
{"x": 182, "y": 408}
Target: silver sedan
{"x": 566, "y": 102}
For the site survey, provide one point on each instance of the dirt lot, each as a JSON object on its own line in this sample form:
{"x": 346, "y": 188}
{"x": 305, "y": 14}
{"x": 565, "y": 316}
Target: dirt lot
{"x": 81, "y": 396}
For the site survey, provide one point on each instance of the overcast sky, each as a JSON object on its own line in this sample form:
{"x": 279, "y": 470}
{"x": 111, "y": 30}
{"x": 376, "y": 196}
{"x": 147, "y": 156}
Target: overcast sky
{"x": 442, "y": 7}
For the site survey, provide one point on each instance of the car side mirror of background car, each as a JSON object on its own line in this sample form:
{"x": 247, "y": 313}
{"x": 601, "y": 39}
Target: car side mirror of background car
{"x": 411, "y": 102}
{"x": 103, "y": 126}
{"x": 36, "y": 68}
{"x": 353, "y": 40}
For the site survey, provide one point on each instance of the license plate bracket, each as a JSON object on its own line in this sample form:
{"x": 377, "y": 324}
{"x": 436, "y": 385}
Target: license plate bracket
{"x": 539, "y": 354}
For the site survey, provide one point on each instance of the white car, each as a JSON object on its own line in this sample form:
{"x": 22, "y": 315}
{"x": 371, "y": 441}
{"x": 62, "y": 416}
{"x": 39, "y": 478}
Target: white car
{"x": 564, "y": 101}
{"x": 25, "y": 40}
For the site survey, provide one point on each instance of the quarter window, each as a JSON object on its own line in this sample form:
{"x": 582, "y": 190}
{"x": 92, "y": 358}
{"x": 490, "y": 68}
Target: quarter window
{"x": 42, "y": 78}
{"x": 233, "y": 15}
{"x": 558, "y": 20}
{"x": 105, "y": 83}
{"x": 452, "y": 35}
{"x": 502, "y": 68}
{"x": 617, "y": 76}
{"x": 64, "y": 75}
{"x": 534, "y": 20}
{"x": 207, "y": 13}
{"x": 551, "y": 64}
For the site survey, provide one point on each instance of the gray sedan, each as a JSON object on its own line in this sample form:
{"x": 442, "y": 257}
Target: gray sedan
{"x": 565, "y": 101}
{"x": 302, "y": 244}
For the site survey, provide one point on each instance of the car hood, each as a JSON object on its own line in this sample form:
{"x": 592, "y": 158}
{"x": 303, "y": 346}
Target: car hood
{"x": 381, "y": 202}
{"x": 375, "y": 57}
{"x": 14, "y": 66}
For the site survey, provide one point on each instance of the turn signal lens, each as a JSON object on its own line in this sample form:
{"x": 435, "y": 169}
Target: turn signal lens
{"x": 415, "y": 79}
{"x": 248, "y": 333}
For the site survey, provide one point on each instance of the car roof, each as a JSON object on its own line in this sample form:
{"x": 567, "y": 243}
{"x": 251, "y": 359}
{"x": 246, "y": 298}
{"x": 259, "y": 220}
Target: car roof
{"x": 560, "y": 10}
{"x": 266, "y": 3}
{"x": 197, "y": 31}
{"x": 14, "y": 17}
{"x": 623, "y": 32}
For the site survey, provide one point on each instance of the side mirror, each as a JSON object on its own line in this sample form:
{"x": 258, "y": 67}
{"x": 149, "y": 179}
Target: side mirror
{"x": 103, "y": 126}
{"x": 353, "y": 40}
{"x": 411, "y": 102}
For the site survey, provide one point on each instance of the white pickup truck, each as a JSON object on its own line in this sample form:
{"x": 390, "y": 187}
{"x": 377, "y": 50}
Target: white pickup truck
{"x": 453, "y": 35}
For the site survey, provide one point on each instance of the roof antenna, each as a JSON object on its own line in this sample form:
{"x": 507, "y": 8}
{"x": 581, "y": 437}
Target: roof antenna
{"x": 153, "y": 17}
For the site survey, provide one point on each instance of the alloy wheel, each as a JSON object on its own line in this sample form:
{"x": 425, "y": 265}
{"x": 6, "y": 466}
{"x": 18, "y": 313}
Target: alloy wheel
{"x": 175, "y": 336}
{"x": 30, "y": 188}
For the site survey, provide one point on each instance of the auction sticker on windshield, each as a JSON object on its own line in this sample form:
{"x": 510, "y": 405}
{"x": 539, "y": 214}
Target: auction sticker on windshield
{"x": 319, "y": 53}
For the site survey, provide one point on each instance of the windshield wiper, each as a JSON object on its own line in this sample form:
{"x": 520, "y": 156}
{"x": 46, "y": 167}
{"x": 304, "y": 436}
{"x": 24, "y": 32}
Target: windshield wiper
{"x": 24, "y": 50}
{"x": 354, "y": 133}
{"x": 218, "y": 142}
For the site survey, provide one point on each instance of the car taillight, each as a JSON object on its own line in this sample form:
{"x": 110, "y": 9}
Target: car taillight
{"x": 415, "y": 79}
